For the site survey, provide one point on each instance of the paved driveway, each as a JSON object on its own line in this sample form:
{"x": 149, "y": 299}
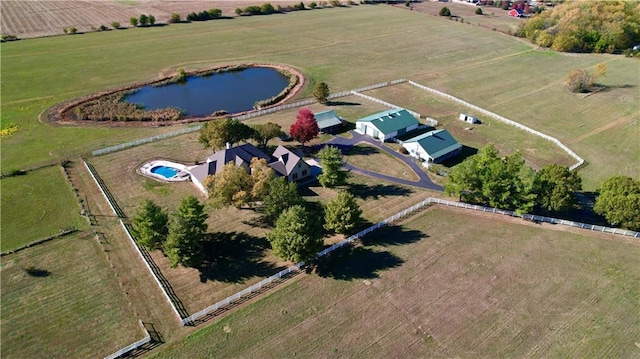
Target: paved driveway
{"x": 345, "y": 144}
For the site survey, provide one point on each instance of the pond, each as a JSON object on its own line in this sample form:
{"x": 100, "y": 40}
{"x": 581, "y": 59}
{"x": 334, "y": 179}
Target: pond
{"x": 232, "y": 91}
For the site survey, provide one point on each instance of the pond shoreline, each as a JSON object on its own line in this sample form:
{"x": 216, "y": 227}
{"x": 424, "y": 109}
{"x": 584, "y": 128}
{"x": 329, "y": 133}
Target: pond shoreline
{"x": 60, "y": 114}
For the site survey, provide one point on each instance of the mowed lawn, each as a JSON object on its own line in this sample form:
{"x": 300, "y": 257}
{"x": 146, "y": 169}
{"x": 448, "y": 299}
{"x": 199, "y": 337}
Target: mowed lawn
{"x": 37, "y": 205}
{"x": 447, "y": 283}
{"x": 75, "y": 309}
{"x": 240, "y": 251}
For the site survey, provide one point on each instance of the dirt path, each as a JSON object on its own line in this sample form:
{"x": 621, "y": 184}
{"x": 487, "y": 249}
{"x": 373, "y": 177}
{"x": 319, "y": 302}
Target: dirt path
{"x": 598, "y": 130}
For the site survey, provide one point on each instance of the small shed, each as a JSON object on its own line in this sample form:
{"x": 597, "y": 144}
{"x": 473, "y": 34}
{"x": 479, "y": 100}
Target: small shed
{"x": 468, "y": 118}
{"x": 328, "y": 121}
{"x": 516, "y": 13}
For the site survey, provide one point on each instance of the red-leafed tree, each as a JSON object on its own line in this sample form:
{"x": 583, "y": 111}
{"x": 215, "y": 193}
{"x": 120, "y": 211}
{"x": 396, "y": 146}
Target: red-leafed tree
{"x": 305, "y": 128}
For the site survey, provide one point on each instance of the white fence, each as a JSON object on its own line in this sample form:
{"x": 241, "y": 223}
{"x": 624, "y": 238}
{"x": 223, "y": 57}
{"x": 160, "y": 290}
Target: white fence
{"x": 132, "y": 346}
{"x": 385, "y": 103}
{"x": 505, "y": 120}
{"x": 142, "y": 141}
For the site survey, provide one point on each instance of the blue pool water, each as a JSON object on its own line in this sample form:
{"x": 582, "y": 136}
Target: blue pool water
{"x": 164, "y": 171}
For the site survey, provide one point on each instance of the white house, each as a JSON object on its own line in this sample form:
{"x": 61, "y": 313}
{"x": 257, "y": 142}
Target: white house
{"x": 433, "y": 147}
{"x": 388, "y": 124}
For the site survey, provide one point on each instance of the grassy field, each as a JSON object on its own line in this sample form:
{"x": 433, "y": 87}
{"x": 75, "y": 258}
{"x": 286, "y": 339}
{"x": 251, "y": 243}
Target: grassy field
{"x": 373, "y": 159}
{"x": 37, "y": 205}
{"x": 433, "y": 288}
{"x": 345, "y": 47}
{"x": 243, "y": 256}
{"x": 74, "y": 309}
{"x": 508, "y": 139}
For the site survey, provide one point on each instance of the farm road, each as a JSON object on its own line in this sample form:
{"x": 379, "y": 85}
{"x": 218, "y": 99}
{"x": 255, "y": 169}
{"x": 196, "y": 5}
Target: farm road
{"x": 345, "y": 143}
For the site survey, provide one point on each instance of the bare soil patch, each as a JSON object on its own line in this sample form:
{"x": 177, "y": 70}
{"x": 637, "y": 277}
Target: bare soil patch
{"x": 28, "y": 19}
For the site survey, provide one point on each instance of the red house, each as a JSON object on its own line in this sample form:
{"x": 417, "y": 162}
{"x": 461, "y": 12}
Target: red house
{"x": 516, "y": 13}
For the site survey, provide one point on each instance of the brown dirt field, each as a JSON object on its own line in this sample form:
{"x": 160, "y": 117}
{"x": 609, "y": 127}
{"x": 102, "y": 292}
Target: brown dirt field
{"x": 28, "y": 19}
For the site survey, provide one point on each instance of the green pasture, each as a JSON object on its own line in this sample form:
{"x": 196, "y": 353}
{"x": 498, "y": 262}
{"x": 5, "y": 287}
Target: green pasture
{"x": 72, "y": 308}
{"x": 345, "y": 47}
{"x": 447, "y": 283}
{"x": 37, "y": 205}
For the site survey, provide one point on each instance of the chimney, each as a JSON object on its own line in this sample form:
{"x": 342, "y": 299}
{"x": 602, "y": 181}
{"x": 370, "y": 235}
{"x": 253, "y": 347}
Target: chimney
{"x": 228, "y": 145}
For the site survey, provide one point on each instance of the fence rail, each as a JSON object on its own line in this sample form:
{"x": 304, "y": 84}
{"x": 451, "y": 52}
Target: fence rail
{"x": 385, "y": 103}
{"x": 505, "y": 120}
{"x": 245, "y": 116}
{"x": 132, "y": 346}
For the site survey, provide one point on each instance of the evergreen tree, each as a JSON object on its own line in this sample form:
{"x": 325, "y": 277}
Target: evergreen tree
{"x": 342, "y": 214}
{"x": 183, "y": 246}
{"x": 297, "y": 235}
{"x": 150, "y": 225}
{"x": 282, "y": 195}
{"x": 332, "y": 173}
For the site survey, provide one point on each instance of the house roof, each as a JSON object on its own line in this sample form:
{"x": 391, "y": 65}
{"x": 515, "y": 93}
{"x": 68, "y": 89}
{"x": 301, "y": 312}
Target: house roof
{"x": 239, "y": 155}
{"x": 286, "y": 160}
{"x": 326, "y": 119}
{"x": 391, "y": 120}
{"x": 436, "y": 143}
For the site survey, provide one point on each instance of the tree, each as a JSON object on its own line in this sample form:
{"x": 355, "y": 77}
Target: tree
{"x": 305, "y": 128}
{"x": 133, "y": 21}
{"x": 619, "y": 201}
{"x": 281, "y": 195}
{"x": 217, "y": 133}
{"x": 150, "y": 225}
{"x": 183, "y": 245}
{"x": 445, "y": 11}
{"x": 321, "y": 92}
{"x": 175, "y": 18}
{"x": 582, "y": 81}
{"x": 297, "y": 235}
{"x": 152, "y": 20}
{"x": 231, "y": 186}
{"x": 263, "y": 132}
{"x": 214, "y": 13}
{"x": 261, "y": 177}
{"x": 332, "y": 173}
{"x": 555, "y": 188}
{"x": 490, "y": 180}
{"x": 143, "y": 20}
{"x": 342, "y": 214}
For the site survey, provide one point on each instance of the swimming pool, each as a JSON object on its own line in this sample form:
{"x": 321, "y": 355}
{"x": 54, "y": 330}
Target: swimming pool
{"x": 165, "y": 171}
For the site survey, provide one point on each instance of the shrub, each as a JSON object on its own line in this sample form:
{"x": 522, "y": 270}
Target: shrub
{"x": 103, "y": 28}
{"x": 175, "y": 18}
{"x": 313, "y": 5}
{"x": 115, "y": 25}
{"x": 6, "y": 37}
{"x": 403, "y": 151}
{"x": 445, "y": 12}
{"x": 238, "y": 11}
{"x": 73, "y": 30}
{"x": 479, "y": 11}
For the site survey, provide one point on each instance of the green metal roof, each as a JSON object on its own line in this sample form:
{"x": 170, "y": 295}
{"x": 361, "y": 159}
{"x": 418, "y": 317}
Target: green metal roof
{"x": 436, "y": 143}
{"x": 326, "y": 119}
{"x": 391, "y": 120}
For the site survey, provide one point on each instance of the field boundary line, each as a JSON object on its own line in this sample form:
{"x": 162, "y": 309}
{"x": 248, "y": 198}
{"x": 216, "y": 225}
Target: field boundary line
{"x": 233, "y": 299}
{"x": 152, "y": 269}
{"x": 133, "y": 346}
{"x": 505, "y": 120}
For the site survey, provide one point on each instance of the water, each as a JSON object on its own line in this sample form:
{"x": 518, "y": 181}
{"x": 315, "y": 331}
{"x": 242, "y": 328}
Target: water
{"x": 164, "y": 171}
{"x": 201, "y": 96}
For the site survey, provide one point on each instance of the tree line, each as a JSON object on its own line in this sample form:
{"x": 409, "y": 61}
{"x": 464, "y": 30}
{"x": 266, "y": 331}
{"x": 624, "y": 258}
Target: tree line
{"x": 506, "y": 182}
{"x": 586, "y": 26}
